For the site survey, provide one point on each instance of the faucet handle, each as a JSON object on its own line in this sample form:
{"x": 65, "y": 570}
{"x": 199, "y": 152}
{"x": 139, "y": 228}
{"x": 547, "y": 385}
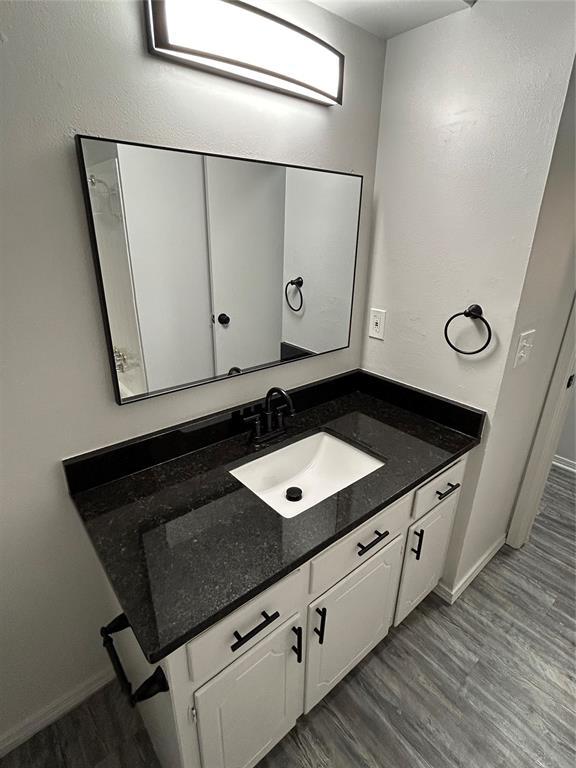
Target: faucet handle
{"x": 256, "y": 420}
{"x": 281, "y": 411}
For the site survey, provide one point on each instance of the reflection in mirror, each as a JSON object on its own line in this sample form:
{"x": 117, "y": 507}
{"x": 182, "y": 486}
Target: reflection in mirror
{"x": 212, "y": 266}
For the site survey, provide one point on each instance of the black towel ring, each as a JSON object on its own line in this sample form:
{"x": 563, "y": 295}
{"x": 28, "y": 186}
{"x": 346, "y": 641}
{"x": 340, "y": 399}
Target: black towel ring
{"x": 474, "y": 311}
{"x": 298, "y": 282}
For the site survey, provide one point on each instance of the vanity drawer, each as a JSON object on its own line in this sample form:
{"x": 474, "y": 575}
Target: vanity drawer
{"x": 346, "y": 555}
{"x": 441, "y": 487}
{"x": 219, "y": 646}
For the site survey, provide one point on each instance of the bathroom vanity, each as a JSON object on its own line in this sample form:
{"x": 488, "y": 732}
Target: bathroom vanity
{"x": 241, "y": 616}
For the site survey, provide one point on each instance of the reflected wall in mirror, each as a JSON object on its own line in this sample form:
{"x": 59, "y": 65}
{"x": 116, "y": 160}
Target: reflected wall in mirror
{"x": 212, "y": 266}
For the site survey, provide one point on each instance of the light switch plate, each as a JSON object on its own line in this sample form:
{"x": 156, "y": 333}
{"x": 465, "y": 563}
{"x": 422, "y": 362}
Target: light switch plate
{"x": 525, "y": 345}
{"x": 377, "y": 323}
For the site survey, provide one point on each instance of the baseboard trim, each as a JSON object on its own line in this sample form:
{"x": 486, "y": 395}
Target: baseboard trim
{"x": 568, "y": 464}
{"x": 451, "y": 595}
{"x": 444, "y": 593}
{"x": 51, "y": 712}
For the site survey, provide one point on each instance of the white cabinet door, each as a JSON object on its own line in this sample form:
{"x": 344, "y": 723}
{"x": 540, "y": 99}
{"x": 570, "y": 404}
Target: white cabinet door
{"x": 426, "y": 547}
{"x": 348, "y": 620}
{"x": 253, "y": 703}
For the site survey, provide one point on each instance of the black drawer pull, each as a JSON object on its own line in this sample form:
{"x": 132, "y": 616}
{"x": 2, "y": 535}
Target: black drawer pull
{"x": 363, "y": 548}
{"x": 420, "y": 536}
{"x": 242, "y": 640}
{"x": 298, "y": 647}
{"x": 322, "y": 631}
{"x": 451, "y": 488}
{"x": 154, "y": 684}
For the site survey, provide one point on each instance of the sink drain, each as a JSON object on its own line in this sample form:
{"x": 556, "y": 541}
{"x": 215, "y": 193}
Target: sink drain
{"x": 294, "y": 493}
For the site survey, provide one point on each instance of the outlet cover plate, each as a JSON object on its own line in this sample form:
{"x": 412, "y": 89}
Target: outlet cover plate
{"x": 525, "y": 345}
{"x": 377, "y": 323}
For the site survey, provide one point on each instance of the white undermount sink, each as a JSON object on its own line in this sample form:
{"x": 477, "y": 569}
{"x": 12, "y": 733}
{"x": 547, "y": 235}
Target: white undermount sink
{"x": 320, "y": 466}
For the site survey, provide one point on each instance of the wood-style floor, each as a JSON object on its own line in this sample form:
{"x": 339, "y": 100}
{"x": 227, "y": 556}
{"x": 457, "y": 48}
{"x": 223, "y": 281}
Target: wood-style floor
{"x": 487, "y": 683}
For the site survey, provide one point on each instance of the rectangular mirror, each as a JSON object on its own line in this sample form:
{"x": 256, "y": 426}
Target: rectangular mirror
{"x": 212, "y": 266}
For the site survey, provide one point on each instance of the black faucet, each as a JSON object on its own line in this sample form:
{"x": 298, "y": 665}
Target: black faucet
{"x": 269, "y": 413}
{"x": 272, "y": 423}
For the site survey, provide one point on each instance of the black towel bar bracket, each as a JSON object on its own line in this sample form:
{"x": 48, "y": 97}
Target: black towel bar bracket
{"x": 475, "y": 312}
{"x": 154, "y": 684}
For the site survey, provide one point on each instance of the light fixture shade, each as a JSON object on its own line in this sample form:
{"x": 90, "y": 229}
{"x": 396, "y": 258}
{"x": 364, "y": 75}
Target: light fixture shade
{"x": 237, "y": 40}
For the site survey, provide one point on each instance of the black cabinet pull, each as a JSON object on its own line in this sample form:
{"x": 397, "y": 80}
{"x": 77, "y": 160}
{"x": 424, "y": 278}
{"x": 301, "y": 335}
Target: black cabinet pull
{"x": 223, "y": 318}
{"x": 363, "y": 548}
{"x": 298, "y": 647}
{"x": 154, "y": 684}
{"x": 321, "y": 632}
{"x": 451, "y": 488}
{"x": 242, "y": 640}
{"x": 420, "y": 536}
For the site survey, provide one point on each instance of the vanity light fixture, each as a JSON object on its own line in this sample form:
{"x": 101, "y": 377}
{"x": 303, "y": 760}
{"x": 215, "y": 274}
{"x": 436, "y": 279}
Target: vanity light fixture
{"x": 237, "y": 40}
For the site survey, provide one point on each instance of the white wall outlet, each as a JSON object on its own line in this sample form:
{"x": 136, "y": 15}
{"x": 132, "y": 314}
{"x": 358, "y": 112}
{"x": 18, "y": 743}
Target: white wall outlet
{"x": 525, "y": 344}
{"x": 377, "y": 323}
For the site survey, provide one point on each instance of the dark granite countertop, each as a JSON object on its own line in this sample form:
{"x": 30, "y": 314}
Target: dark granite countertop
{"x": 184, "y": 543}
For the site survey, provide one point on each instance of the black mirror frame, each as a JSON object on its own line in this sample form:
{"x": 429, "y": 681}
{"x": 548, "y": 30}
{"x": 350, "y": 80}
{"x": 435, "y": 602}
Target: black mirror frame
{"x": 100, "y": 281}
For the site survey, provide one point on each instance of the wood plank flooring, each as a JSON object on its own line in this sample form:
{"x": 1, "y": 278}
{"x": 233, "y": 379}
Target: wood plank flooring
{"x": 487, "y": 683}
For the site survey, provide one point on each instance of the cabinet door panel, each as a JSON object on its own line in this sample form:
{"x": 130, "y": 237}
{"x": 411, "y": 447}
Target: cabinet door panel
{"x": 420, "y": 574}
{"x": 252, "y": 704}
{"x": 359, "y": 611}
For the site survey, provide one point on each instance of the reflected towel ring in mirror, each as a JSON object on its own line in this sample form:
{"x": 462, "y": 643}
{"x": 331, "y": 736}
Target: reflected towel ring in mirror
{"x": 298, "y": 282}
{"x": 476, "y": 312}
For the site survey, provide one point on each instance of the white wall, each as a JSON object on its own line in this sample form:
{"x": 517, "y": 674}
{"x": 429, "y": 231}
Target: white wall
{"x": 470, "y": 112}
{"x": 245, "y": 203}
{"x": 566, "y": 451}
{"x": 57, "y": 397}
{"x": 545, "y": 302}
{"x": 165, "y": 211}
{"x": 319, "y": 246}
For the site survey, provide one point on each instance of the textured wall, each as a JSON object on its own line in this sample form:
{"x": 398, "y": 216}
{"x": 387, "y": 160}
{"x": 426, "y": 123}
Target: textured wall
{"x": 82, "y": 67}
{"x": 470, "y": 113}
{"x": 547, "y": 295}
{"x": 471, "y": 106}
